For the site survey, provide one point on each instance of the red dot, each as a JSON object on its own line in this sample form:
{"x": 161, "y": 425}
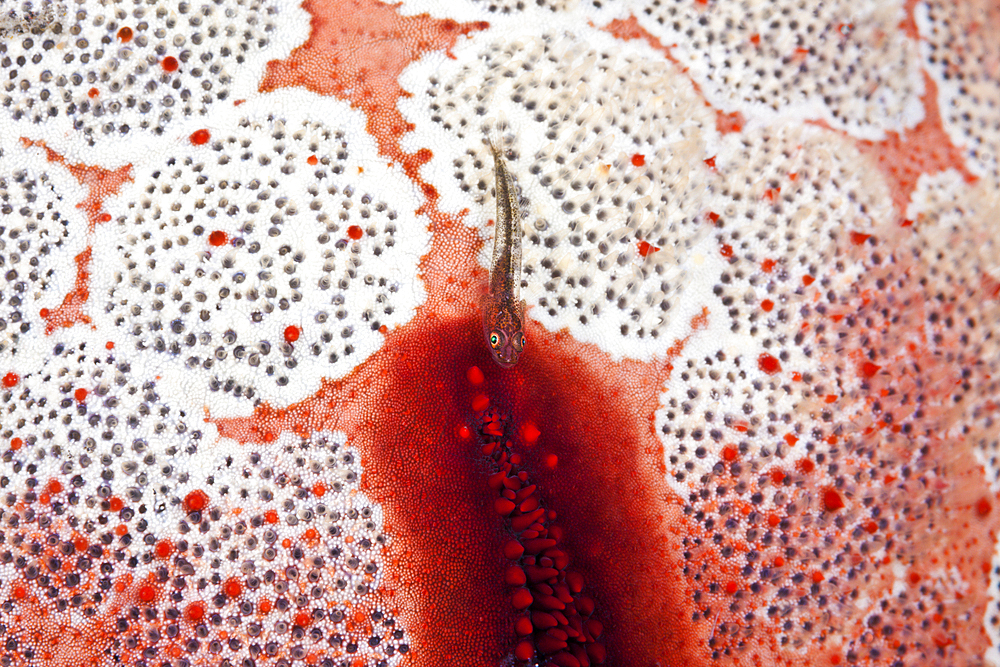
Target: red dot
{"x": 638, "y": 160}
{"x": 15, "y": 444}
{"x": 832, "y": 500}
{"x": 513, "y": 550}
{"x": 767, "y": 265}
{"x": 54, "y": 486}
{"x": 80, "y": 395}
{"x": 233, "y": 588}
{"x": 218, "y": 238}
{"x": 550, "y": 461}
{"x": 196, "y": 611}
{"x": 169, "y": 64}
{"x": 43, "y": 313}
{"x": 768, "y": 364}
{"x": 857, "y": 238}
{"x": 524, "y": 651}
{"x": 480, "y": 402}
{"x": 271, "y": 516}
{"x": 817, "y": 576}
{"x": 767, "y": 305}
{"x": 302, "y": 619}
{"x": 105, "y": 217}
{"x": 164, "y": 548}
{"x": 92, "y": 93}
{"x": 808, "y": 280}
{"x": 312, "y": 160}
{"x": 731, "y": 587}
{"x": 646, "y": 248}
{"x": 710, "y": 162}
{"x": 19, "y": 591}
{"x": 983, "y": 507}
{"x": 354, "y": 232}
{"x": 464, "y": 433}
{"x": 116, "y": 504}
{"x": 729, "y": 453}
{"x": 474, "y": 375}
{"x": 11, "y": 379}
{"x": 521, "y": 599}
{"x": 195, "y": 501}
{"x": 514, "y": 576}
{"x": 319, "y": 489}
{"x": 871, "y": 527}
{"x": 868, "y": 369}
{"x": 503, "y": 506}
{"x": 777, "y": 476}
{"x": 291, "y": 333}
{"x": 530, "y": 432}
{"x": 805, "y": 465}
{"x": 200, "y": 137}
{"x": 125, "y": 34}
{"x": 147, "y": 593}
{"x": 727, "y": 250}
{"x": 109, "y": 345}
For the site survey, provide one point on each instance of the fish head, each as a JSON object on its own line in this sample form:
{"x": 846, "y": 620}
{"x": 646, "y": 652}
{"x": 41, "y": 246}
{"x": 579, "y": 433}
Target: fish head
{"x": 505, "y": 345}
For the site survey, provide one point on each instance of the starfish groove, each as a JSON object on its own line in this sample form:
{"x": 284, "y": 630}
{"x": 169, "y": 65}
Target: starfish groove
{"x": 249, "y": 414}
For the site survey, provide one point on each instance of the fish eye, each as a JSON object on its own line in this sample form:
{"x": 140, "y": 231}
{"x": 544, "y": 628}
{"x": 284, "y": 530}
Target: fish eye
{"x": 523, "y": 341}
{"x": 494, "y": 339}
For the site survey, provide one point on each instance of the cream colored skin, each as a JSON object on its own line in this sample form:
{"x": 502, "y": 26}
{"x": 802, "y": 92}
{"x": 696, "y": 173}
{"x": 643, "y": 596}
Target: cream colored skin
{"x": 503, "y": 310}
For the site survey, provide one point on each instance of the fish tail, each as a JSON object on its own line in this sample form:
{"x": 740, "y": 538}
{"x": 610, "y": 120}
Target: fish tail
{"x": 496, "y": 145}
{"x": 495, "y": 136}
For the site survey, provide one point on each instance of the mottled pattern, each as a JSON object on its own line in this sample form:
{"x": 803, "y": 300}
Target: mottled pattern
{"x": 503, "y": 309}
{"x": 247, "y": 416}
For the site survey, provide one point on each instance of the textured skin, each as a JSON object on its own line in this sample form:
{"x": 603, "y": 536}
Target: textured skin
{"x": 503, "y": 309}
{"x": 246, "y": 413}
